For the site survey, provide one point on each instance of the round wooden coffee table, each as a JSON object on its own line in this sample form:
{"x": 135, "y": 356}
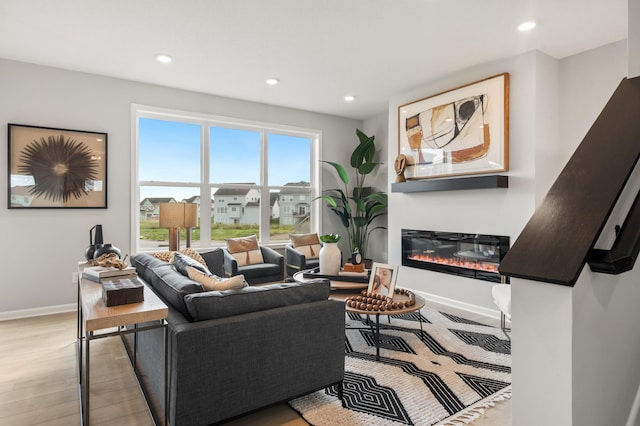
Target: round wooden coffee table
{"x": 341, "y": 290}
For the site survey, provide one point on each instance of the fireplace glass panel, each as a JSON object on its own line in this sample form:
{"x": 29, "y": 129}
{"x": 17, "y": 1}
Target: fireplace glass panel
{"x": 469, "y": 255}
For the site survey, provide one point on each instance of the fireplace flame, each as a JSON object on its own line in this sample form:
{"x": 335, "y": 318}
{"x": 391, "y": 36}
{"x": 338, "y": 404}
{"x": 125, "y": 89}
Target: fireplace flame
{"x": 460, "y": 263}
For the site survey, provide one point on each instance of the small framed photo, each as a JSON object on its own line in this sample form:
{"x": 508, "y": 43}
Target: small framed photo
{"x": 56, "y": 168}
{"x": 383, "y": 279}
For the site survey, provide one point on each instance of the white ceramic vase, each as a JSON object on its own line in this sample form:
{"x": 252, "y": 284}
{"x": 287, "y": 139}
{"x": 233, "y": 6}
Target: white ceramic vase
{"x": 330, "y": 259}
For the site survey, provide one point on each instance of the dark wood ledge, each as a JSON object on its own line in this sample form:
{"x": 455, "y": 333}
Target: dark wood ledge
{"x": 430, "y": 185}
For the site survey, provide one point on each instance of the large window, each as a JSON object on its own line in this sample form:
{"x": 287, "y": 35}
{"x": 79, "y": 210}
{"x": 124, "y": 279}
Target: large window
{"x": 246, "y": 178}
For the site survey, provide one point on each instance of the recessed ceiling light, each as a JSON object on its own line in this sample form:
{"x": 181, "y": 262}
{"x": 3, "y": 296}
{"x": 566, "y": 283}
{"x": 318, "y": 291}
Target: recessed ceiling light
{"x": 165, "y": 59}
{"x": 271, "y": 81}
{"x": 349, "y": 98}
{"x": 527, "y": 26}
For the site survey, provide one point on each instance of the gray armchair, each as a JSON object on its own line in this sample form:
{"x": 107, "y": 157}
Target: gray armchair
{"x": 271, "y": 270}
{"x": 295, "y": 260}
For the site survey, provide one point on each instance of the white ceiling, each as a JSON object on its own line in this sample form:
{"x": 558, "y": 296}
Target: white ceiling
{"x": 320, "y": 50}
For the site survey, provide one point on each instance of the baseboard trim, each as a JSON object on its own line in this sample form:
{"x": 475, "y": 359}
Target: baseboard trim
{"x": 36, "y": 312}
{"x": 479, "y": 310}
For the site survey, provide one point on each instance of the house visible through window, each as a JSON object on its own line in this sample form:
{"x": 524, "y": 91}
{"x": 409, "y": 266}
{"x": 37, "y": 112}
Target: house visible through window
{"x": 247, "y": 178}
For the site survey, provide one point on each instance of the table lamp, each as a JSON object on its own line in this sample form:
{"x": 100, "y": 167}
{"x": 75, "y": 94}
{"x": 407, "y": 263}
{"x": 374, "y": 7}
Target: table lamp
{"x": 175, "y": 216}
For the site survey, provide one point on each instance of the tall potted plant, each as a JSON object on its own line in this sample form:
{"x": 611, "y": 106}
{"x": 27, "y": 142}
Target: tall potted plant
{"x": 357, "y": 208}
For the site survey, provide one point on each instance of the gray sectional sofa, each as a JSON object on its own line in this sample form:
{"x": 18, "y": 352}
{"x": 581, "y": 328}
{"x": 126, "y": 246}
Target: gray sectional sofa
{"x": 235, "y": 351}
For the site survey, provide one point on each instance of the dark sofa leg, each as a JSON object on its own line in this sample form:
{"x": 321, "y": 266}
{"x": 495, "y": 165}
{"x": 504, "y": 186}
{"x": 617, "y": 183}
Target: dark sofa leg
{"x": 341, "y": 392}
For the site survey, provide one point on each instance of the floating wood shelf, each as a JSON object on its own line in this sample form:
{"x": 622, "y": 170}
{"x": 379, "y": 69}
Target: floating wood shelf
{"x": 430, "y": 185}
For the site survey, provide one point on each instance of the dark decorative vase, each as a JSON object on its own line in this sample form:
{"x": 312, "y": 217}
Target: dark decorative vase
{"x": 95, "y": 242}
{"x": 105, "y": 249}
{"x": 97, "y": 247}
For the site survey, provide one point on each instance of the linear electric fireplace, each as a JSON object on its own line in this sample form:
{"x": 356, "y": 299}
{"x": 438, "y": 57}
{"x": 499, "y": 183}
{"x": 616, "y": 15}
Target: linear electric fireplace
{"x": 468, "y": 255}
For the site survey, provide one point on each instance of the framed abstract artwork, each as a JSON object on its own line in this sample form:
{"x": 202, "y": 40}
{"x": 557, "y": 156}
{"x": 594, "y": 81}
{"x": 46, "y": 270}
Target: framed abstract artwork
{"x": 463, "y": 131}
{"x": 56, "y": 168}
{"x": 383, "y": 279}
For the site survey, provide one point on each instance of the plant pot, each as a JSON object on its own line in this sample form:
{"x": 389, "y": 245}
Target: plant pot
{"x": 330, "y": 259}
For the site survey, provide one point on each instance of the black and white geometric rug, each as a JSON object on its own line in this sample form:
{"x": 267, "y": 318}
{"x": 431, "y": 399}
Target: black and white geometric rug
{"x": 446, "y": 374}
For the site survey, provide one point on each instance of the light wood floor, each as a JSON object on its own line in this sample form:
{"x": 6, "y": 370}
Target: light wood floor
{"x": 39, "y": 380}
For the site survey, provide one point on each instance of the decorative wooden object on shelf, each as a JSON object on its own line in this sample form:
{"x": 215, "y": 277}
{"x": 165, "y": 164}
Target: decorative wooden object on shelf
{"x": 400, "y": 165}
{"x": 431, "y": 185}
{"x": 350, "y": 267}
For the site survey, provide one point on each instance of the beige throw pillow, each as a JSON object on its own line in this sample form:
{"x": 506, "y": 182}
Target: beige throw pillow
{"x": 215, "y": 283}
{"x": 307, "y": 244}
{"x": 245, "y": 250}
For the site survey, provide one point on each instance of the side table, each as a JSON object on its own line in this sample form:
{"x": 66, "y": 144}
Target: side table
{"x": 94, "y": 315}
{"x": 341, "y": 290}
{"x": 420, "y": 302}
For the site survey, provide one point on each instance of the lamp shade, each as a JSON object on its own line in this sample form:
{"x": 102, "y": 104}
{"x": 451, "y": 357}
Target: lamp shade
{"x": 178, "y": 215}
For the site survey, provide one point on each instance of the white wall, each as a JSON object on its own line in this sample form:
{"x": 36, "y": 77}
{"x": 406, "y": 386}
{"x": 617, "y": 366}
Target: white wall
{"x": 606, "y": 343}
{"x": 485, "y": 211}
{"x": 576, "y": 349}
{"x": 378, "y": 126}
{"x": 587, "y": 82}
{"x": 541, "y": 322}
{"x": 548, "y": 161}
{"x": 40, "y": 248}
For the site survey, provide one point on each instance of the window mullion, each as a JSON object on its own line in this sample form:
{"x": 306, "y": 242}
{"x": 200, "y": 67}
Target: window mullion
{"x": 205, "y": 187}
{"x": 265, "y": 216}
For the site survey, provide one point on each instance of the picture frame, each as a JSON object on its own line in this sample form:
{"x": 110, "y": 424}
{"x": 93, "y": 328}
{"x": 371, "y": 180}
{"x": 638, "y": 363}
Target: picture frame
{"x": 56, "y": 168}
{"x": 382, "y": 279}
{"x": 463, "y": 131}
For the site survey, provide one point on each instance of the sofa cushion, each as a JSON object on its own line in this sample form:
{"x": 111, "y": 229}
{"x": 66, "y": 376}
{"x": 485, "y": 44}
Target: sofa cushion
{"x": 245, "y": 250}
{"x": 173, "y": 286}
{"x": 212, "y": 282}
{"x": 181, "y": 262}
{"x": 144, "y": 264}
{"x": 262, "y": 270}
{"x": 307, "y": 244}
{"x": 220, "y": 304}
{"x": 214, "y": 259}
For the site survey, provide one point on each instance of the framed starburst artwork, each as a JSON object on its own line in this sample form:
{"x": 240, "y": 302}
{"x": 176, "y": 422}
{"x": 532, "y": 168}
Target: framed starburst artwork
{"x": 56, "y": 168}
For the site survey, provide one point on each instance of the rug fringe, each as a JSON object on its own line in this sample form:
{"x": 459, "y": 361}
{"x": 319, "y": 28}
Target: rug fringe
{"x": 477, "y": 410}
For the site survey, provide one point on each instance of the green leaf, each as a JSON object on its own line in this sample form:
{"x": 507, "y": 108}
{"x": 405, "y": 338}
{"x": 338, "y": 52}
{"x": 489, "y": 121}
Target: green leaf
{"x": 359, "y": 204}
{"x": 360, "y": 153}
{"x": 380, "y": 197}
{"x": 344, "y": 217}
{"x": 370, "y": 150}
{"x": 360, "y": 221}
{"x": 331, "y": 201}
{"x": 340, "y": 170}
{"x": 330, "y": 238}
{"x": 366, "y": 168}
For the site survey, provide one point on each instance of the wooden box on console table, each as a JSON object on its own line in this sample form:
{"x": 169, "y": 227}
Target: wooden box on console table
{"x": 122, "y": 291}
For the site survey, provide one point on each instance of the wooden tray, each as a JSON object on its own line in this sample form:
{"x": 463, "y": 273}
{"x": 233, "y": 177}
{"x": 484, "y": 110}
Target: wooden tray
{"x": 354, "y": 277}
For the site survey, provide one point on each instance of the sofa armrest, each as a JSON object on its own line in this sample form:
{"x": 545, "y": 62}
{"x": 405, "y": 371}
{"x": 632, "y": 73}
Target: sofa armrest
{"x": 295, "y": 259}
{"x": 271, "y": 256}
{"x": 230, "y": 264}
